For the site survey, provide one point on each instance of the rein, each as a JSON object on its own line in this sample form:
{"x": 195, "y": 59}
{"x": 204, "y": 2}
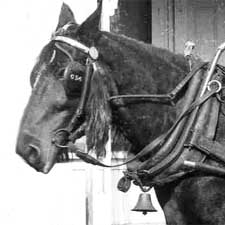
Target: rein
{"x": 210, "y": 87}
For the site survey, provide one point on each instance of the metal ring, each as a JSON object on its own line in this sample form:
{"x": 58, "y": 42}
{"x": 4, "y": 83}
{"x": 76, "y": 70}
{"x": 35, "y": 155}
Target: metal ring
{"x": 221, "y": 98}
{"x": 212, "y": 82}
{"x": 56, "y": 133}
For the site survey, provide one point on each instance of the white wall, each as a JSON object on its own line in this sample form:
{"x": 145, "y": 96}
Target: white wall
{"x": 28, "y": 197}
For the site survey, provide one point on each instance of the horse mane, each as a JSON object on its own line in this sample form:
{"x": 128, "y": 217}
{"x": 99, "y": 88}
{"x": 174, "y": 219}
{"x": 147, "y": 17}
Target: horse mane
{"x": 131, "y": 67}
{"x": 98, "y": 113}
{"x": 147, "y": 50}
{"x": 140, "y": 63}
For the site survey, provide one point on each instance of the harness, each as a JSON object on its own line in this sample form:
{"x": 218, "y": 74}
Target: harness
{"x": 194, "y": 129}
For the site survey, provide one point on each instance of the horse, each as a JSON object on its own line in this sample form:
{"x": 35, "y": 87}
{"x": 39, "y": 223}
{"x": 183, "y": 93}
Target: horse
{"x": 93, "y": 82}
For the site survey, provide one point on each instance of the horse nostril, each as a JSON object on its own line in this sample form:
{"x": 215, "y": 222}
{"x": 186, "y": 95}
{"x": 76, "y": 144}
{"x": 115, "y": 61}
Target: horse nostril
{"x": 33, "y": 153}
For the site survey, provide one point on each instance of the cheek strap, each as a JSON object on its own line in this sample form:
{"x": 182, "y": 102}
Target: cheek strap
{"x": 78, "y": 118}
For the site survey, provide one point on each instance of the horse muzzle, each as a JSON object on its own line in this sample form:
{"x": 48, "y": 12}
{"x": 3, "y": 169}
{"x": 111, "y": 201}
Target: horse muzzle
{"x": 29, "y": 148}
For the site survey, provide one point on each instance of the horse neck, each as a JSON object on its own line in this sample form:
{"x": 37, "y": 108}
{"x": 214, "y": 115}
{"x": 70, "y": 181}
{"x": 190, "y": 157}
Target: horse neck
{"x": 138, "y": 68}
{"x": 141, "y": 68}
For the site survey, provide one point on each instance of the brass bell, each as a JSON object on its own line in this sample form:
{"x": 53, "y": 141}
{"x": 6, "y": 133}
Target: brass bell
{"x": 144, "y": 204}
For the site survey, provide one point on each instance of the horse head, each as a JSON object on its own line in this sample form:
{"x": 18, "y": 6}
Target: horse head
{"x": 58, "y": 101}
{"x": 57, "y": 80}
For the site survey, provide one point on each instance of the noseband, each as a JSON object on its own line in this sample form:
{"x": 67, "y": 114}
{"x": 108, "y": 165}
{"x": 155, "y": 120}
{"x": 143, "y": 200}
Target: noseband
{"x": 78, "y": 118}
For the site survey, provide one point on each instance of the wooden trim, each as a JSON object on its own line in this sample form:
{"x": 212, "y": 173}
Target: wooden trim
{"x": 163, "y": 24}
{"x": 149, "y": 21}
{"x": 173, "y": 25}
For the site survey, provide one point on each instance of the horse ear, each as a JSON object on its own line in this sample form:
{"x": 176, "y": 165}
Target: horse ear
{"x": 66, "y": 16}
{"x": 91, "y": 24}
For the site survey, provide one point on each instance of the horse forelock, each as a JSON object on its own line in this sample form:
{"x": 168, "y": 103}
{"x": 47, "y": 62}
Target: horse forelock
{"x": 98, "y": 113}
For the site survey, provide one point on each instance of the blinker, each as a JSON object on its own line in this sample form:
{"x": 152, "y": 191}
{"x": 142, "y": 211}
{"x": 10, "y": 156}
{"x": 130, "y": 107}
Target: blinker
{"x": 144, "y": 204}
{"x": 73, "y": 79}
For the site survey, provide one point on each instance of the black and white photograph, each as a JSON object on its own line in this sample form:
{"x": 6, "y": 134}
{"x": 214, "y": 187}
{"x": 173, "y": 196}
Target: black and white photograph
{"x": 112, "y": 112}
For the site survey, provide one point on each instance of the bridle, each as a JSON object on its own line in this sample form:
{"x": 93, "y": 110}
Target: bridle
{"x": 78, "y": 118}
{"x": 91, "y": 67}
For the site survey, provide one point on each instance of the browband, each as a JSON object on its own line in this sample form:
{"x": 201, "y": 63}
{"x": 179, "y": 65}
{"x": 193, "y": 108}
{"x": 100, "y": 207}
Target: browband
{"x": 92, "y": 51}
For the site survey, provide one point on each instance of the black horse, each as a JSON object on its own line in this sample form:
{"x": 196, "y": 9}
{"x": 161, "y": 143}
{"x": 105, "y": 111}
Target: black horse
{"x": 124, "y": 67}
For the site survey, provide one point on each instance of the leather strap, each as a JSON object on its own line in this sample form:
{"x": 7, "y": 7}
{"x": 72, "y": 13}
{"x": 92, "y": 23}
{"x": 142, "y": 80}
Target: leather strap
{"x": 211, "y": 148}
{"x": 89, "y": 159}
{"x": 77, "y": 118}
{"x": 168, "y": 99}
